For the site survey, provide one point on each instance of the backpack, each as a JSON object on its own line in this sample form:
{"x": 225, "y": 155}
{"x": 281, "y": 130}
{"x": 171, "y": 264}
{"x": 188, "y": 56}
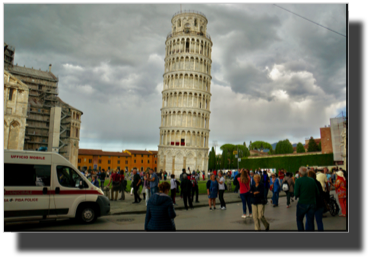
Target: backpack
{"x": 285, "y": 186}
{"x": 194, "y": 182}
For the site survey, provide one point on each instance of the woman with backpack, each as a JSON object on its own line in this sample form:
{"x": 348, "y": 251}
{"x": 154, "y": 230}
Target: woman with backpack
{"x": 244, "y": 183}
{"x": 288, "y": 187}
{"x": 212, "y": 191}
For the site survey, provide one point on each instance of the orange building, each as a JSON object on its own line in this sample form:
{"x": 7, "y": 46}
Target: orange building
{"x": 126, "y": 160}
{"x": 142, "y": 159}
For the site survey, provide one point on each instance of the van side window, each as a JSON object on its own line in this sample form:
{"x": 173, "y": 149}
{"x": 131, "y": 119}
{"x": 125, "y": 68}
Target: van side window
{"x": 27, "y": 175}
{"x": 67, "y": 177}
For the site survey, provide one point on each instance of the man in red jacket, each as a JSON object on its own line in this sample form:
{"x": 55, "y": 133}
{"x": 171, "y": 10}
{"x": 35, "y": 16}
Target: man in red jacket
{"x": 281, "y": 175}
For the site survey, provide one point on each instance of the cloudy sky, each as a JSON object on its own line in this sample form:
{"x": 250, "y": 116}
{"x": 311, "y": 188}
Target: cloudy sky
{"x": 275, "y": 75}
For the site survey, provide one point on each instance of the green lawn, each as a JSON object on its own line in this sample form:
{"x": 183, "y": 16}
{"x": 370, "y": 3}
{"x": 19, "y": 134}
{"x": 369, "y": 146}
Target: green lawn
{"x": 201, "y": 186}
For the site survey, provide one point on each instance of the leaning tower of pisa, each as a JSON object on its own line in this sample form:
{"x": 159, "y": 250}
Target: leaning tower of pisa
{"x": 186, "y": 96}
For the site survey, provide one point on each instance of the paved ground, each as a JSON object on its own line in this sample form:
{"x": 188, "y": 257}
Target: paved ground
{"x": 126, "y": 206}
{"x": 200, "y": 218}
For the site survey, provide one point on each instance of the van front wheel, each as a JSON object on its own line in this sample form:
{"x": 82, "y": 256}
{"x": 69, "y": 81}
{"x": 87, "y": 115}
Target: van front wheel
{"x": 86, "y": 214}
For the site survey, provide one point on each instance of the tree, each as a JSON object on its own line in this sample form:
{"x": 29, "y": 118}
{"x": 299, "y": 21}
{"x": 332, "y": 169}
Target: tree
{"x": 211, "y": 159}
{"x": 260, "y": 145}
{"x": 224, "y": 162}
{"x": 218, "y": 160}
{"x": 300, "y": 148}
{"x": 244, "y": 144}
{"x": 284, "y": 147}
{"x": 312, "y": 146}
{"x": 230, "y": 148}
{"x": 320, "y": 146}
{"x": 278, "y": 147}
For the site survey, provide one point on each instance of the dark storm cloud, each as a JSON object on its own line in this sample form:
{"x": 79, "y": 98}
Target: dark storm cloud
{"x": 110, "y": 62}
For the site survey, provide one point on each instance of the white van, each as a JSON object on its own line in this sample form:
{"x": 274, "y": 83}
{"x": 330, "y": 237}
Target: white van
{"x": 44, "y": 185}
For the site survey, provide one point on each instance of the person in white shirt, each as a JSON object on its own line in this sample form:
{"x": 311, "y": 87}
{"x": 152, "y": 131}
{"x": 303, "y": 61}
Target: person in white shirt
{"x": 173, "y": 188}
{"x": 222, "y": 188}
{"x": 322, "y": 178}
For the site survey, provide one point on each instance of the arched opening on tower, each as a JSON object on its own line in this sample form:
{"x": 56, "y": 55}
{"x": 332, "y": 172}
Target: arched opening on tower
{"x": 187, "y": 46}
{"x": 187, "y": 28}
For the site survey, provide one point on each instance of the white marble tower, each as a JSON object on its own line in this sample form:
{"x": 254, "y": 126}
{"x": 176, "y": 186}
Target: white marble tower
{"x": 186, "y": 96}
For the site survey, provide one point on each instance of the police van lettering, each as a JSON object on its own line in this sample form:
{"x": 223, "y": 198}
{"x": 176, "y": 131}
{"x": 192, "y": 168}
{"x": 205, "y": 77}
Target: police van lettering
{"x": 28, "y": 157}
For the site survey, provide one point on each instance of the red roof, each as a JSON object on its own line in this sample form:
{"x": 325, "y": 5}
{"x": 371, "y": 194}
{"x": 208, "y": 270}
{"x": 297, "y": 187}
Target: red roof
{"x": 99, "y": 152}
{"x": 142, "y": 152}
{"x": 258, "y": 152}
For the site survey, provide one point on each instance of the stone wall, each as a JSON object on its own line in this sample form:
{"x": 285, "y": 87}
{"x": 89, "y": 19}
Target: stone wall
{"x": 16, "y": 96}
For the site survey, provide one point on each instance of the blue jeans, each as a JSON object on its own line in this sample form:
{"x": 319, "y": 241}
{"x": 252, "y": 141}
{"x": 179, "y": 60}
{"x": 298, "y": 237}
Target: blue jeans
{"x": 275, "y": 197}
{"x": 318, "y": 218}
{"x": 309, "y": 211}
{"x": 245, "y": 200}
{"x": 153, "y": 190}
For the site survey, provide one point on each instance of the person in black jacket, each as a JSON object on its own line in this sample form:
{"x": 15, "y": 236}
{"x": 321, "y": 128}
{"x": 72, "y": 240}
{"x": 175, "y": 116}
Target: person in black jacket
{"x": 160, "y": 211}
{"x": 258, "y": 202}
{"x": 186, "y": 187}
{"x": 136, "y": 185}
{"x": 320, "y": 201}
{"x": 194, "y": 189}
{"x": 102, "y": 177}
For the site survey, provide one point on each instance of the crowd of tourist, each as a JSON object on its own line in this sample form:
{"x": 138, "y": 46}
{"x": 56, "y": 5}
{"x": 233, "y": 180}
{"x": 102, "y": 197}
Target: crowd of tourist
{"x": 310, "y": 186}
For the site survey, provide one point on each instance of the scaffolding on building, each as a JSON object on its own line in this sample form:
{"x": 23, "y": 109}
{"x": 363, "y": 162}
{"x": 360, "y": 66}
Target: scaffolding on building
{"x": 338, "y": 125}
{"x": 43, "y": 95}
{"x": 43, "y": 101}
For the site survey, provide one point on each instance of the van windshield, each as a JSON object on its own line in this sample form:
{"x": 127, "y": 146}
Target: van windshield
{"x": 67, "y": 177}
